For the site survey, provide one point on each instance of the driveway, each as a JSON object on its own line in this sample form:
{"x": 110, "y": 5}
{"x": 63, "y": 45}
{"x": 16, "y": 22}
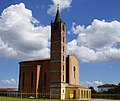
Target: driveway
{"x": 103, "y": 100}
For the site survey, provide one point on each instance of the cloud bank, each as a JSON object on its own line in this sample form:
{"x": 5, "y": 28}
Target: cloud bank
{"x": 93, "y": 84}
{"x": 21, "y": 36}
{"x": 9, "y": 83}
{"x": 63, "y": 4}
{"x": 98, "y": 42}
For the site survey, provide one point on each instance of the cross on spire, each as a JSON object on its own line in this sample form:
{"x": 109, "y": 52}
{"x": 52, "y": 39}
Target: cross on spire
{"x": 58, "y": 6}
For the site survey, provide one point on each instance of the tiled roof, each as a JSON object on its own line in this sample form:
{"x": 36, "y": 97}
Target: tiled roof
{"x": 107, "y": 85}
{"x": 75, "y": 86}
{"x": 40, "y": 59}
{"x": 8, "y": 89}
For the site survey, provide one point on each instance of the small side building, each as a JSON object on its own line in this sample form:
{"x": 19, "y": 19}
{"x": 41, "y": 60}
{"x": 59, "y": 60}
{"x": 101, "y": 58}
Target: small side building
{"x": 105, "y": 87}
{"x": 12, "y": 92}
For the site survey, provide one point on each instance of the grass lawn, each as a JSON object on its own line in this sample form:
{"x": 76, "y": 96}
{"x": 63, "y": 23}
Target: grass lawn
{"x": 27, "y": 99}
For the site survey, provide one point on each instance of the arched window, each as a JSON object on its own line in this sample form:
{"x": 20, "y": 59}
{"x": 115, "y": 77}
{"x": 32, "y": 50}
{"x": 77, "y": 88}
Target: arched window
{"x": 44, "y": 79}
{"x": 74, "y": 71}
{"x": 23, "y": 79}
{"x": 63, "y": 77}
{"x": 63, "y": 48}
{"x": 32, "y": 78}
{"x": 63, "y": 39}
{"x": 63, "y": 27}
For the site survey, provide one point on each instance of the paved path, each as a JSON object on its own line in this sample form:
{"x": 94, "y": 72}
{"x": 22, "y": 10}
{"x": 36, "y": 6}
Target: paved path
{"x": 103, "y": 100}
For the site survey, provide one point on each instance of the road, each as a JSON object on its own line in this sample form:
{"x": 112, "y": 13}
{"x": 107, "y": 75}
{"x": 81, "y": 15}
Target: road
{"x": 103, "y": 100}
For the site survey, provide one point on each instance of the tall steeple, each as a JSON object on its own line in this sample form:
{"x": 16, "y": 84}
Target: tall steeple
{"x": 58, "y": 58}
{"x": 57, "y": 18}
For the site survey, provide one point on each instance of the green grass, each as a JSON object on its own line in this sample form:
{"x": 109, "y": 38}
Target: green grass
{"x": 27, "y": 99}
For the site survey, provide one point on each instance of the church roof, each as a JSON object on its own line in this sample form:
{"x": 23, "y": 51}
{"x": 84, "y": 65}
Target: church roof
{"x": 40, "y": 59}
{"x": 36, "y": 59}
{"x": 75, "y": 86}
{"x": 73, "y": 55}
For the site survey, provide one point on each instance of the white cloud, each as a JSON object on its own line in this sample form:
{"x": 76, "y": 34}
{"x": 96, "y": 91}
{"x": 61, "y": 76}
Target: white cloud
{"x": 63, "y": 4}
{"x": 11, "y": 81}
{"x": 92, "y": 83}
{"x": 21, "y": 36}
{"x": 97, "y": 42}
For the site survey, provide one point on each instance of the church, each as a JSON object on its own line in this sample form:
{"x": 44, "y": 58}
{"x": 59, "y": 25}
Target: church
{"x": 56, "y": 77}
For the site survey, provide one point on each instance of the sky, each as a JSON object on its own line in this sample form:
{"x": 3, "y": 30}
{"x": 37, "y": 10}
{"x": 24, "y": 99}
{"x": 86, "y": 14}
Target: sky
{"x": 93, "y": 35}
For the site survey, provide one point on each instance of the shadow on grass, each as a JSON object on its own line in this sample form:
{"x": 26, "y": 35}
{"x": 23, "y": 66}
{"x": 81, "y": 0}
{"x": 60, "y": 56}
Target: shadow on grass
{"x": 32, "y": 99}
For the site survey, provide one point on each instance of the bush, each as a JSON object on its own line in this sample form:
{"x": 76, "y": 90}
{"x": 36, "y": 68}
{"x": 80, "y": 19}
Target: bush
{"x": 106, "y": 96}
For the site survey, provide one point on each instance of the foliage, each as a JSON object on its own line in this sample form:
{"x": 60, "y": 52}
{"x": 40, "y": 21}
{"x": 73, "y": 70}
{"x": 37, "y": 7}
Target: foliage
{"x": 116, "y": 90}
{"x": 106, "y": 96}
{"x": 93, "y": 91}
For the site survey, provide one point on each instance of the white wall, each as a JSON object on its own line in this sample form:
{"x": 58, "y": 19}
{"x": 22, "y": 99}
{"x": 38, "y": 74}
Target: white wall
{"x": 101, "y": 89}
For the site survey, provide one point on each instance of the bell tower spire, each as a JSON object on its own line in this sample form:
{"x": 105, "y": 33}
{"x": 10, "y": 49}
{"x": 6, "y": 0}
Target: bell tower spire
{"x": 57, "y": 18}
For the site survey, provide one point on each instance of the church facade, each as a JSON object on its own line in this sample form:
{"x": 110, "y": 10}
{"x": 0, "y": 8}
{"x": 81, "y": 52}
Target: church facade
{"x": 56, "y": 77}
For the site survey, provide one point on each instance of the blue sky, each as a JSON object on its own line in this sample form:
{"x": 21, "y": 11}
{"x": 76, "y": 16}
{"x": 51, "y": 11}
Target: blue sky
{"x": 93, "y": 34}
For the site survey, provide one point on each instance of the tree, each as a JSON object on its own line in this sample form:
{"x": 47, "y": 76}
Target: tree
{"x": 116, "y": 90}
{"x": 93, "y": 91}
{"x": 118, "y": 84}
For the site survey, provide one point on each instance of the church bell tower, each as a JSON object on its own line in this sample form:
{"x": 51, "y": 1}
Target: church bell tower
{"x": 58, "y": 58}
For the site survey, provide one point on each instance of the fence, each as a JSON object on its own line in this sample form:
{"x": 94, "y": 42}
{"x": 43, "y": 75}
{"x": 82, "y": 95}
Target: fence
{"x": 23, "y": 95}
{"x": 106, "y": 96}
{"x": 15, "y": 96}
